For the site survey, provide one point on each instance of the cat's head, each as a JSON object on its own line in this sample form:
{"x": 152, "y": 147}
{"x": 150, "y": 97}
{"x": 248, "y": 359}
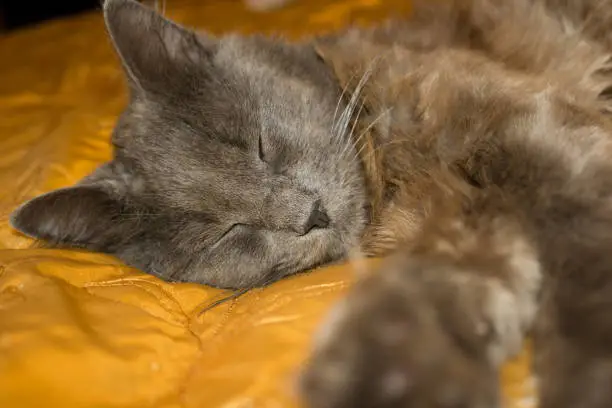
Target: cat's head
{"x": 230, "y": 167}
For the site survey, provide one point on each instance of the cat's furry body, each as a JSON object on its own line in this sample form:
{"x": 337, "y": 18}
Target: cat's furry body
{"x": 479, "y": 164}
{"x": 490, "y": 167}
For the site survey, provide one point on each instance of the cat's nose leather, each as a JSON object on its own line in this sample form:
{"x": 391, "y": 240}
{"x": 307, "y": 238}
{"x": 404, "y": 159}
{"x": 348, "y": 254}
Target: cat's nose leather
{"x": 318, "y": 218}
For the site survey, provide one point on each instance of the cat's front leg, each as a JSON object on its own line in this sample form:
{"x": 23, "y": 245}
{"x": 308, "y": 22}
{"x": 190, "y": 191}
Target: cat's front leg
{"x": 401, "y": 340}
{"x": 431, "y": 326}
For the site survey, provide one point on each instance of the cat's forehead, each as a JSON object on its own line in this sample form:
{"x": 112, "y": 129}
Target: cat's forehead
{"x": 224, "y": 122}
{"x": 271, "y": 66}
{"x": 248, "y": 92}
{"x": 258, "y": 54}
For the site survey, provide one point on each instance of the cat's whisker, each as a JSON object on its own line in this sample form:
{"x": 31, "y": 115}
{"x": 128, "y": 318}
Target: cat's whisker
{"x": 357, "y": 143}
{"x": 383, "y": 146}
{"x": 348, "y": 142}
{"x": 357, "y": 117}
{"x": 345, "y": 112}
{"x": 354, "y": 178}
{"x": 365, "y": 131}
{"x": 341, "y": 98}
{"x": 337, "y": 131}
{"x": 353, "y": 101}
{"x": 138, "y": 216}
{"x": 350, "y": 107}
{"x": 260, "y": 284}
{"x": 349, "y": 111}
{"x": 235, "y": 295}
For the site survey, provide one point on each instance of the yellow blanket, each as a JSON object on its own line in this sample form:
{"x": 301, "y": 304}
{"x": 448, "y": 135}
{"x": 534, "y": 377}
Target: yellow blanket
{"x": 81, "y": 330}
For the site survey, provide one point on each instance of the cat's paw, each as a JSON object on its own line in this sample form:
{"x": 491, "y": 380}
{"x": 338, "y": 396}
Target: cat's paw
{"x": 393, "y": 343}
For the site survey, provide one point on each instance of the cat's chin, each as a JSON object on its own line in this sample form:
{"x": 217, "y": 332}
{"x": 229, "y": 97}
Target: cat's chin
{"x": 330, "y": 246}
{"x": 319, "y": 248}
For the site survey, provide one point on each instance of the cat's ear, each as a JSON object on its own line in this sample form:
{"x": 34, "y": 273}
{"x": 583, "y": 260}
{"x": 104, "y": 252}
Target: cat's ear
{"x": 81, "y": 216}
{"x": 86, "y": 215}
{"x": 153, "y": 49}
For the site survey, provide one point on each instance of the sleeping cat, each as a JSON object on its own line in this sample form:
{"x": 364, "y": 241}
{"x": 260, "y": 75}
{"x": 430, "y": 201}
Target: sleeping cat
{"x": 470, "y": 146}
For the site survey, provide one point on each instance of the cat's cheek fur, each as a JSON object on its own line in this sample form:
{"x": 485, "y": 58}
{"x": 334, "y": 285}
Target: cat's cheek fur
{"x": 262, "y": 257}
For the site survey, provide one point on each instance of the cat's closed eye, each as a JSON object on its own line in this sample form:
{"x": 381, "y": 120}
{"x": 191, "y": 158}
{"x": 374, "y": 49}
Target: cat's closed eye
{"x": 261, "y": 152}
{"x": 237, "y": 228}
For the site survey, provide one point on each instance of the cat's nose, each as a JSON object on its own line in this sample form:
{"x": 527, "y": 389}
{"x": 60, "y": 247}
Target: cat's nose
{"x": 318, "y": 218}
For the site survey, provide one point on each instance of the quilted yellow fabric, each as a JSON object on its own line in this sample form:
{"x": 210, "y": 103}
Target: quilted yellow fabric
{"x": 81, "y": 330}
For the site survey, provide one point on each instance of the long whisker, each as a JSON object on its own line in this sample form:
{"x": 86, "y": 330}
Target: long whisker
{"x": 225, "y": 299}
{"x": 369, "y": 154}
{"x": 348, "y": 142}
{"x": 341, "y": 129}
{"x": 346, "y": 116}
{"x": 357, "y": 117}
{"x": 366, "y": 130}
{"x": 266, "y": 281}
{"x": 383, "y": 146}
{"x": 341, "y": 98}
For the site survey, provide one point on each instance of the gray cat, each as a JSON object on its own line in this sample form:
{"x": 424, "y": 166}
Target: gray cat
{"x": 217, "y": 175}
{"x": 470, "y": 146}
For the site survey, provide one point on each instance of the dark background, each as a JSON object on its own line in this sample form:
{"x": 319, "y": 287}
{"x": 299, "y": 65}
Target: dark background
{"x": 22, "y": 13}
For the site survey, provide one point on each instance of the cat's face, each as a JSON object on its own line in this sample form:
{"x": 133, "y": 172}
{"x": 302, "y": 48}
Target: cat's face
{"x": 232, "y": 164}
